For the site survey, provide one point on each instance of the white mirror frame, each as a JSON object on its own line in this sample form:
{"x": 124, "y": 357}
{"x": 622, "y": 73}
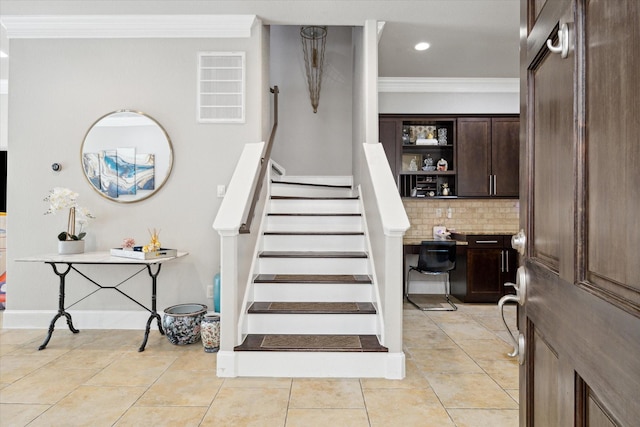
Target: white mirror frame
{"x": 126, "y": 156}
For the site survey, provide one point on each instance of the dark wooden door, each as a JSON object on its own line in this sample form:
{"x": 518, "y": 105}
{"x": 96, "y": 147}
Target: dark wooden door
{"x": 388, "y": 131}
{"x": 505, "y": 152}
{"x": 474, "y": 156}
{"x": 484, "y": 275}
{"x": 580, "y": 207}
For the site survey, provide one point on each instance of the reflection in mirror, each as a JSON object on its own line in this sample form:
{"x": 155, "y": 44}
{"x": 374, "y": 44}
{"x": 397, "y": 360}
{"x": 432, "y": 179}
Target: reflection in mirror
{"x": 126, "y": 156}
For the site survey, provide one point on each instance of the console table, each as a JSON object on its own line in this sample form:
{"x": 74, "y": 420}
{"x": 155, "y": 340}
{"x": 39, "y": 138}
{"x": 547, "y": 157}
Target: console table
{"x": 63, "y": 264}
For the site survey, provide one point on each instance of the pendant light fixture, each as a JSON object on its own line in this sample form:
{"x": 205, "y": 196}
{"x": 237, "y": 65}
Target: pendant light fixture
{"x": 314, "y": 39}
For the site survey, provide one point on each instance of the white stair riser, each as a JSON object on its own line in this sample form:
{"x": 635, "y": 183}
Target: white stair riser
{"x": 314, "y": 223}
{"x": 313, "y": 266}
{"x": 316, "y": 365}
{"x": 330, "y": 324}
{"x": 314, "y": 206}
{"x": 303, "y": 190}
{"x": 313, "y": 292}
{"x": 341, "y": 180}
{"x": 314, "y": 243}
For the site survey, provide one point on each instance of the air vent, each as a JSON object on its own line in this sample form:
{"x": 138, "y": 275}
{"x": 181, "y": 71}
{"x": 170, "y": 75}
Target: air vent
{"x": 221, "y": 87}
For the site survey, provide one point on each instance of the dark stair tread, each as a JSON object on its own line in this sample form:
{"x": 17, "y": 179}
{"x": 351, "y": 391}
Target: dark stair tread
{"x": 311, "y": 214}
{"x": 269, "y": 307}
{"x": 308, "y": 184}
{"x": 314, "y": 343}
{"x": 314, "y": 233}
{"x": 312, "y": 254}
{"x": 313, "y": 198}
{"x": 313, "y": 278}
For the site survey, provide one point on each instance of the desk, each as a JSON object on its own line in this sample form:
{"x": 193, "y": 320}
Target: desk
{"x": 101, "y": 258}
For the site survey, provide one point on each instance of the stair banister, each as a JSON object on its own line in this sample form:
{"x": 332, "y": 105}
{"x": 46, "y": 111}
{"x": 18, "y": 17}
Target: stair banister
{"x": 245, "y": 228}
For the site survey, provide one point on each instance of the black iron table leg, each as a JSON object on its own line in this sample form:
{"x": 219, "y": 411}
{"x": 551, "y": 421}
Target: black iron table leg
{"x": 154, "y": 314}
{"x": 61, "y": 310}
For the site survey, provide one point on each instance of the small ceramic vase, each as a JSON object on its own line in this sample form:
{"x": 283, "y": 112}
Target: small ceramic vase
{"x": 210, "y": 333}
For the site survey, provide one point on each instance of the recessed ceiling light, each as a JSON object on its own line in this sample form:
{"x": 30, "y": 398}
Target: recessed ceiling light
{"x": 422, "y": 46}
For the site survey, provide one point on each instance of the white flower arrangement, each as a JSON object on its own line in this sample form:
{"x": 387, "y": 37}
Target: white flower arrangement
{"x": 61, "y": 199}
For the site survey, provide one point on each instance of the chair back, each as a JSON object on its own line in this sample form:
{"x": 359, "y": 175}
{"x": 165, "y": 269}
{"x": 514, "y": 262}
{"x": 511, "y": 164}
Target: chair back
{"x": 437, "y": 256}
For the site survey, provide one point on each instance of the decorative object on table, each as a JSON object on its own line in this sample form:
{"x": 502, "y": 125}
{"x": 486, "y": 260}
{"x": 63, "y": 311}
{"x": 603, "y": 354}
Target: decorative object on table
{"x": 137, "y": 253}
{"x": 128, "y": 243}
{"x": 443, "y": 165}
{"x": 442, "y": 136}
{"x": 181, "y": 323}
{"x": 314, "y": 40}
{"x": 154, "y": 244}
{"x": 445, "y": 189}
{"x": 428, "y": 164}
{"x": 406, "y": 139}
{"x": 65, "y": 199}
{"x": 210, "y": 332}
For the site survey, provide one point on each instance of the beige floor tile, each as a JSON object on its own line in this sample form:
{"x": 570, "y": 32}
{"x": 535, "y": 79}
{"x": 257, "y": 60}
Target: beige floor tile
{"x": 514, "y": 393}
{"x": 255, "y": 382}
{"x": 182, "y": 388}
{"x": 505, "y": 373}
{"x": 326, "y": 393}
{"x": 470, "y": 330}
{"x": 14, "y": 367}
{"x": 195, "y": 360}
{"x": 485, "y": 417}
{"x": 494, "y": 321}
{"x": 116, "y": 339}
{"x": 416, "y": 338}
{"x": 132, "y": 369}
{"x": 413, "y": 379}
{"x": 45, "y": 386}
{"x": 90, "y": 406}
{"x": 20, "y": 337}
{"x": 162, "y": 416}
{"x": 235, "y": 407}
{"x": 327, "y": 417}
{"x": 410, "y": 407}
{"x": 85, "y": 359}
{"x": 445, "y": 359}
{"x": 19, "y": 414}
{"x": 491, "y": 349}
{"x": 469, "y": 391}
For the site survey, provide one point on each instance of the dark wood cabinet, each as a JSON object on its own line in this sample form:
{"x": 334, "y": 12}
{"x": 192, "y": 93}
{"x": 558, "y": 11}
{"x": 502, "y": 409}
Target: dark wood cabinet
{"x": 482, "y": 154}
{"x": 488, "y": 156}
{"x": 488, "y": 264}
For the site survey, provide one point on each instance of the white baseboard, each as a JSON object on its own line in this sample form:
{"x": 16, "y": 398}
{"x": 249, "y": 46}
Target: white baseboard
{"x": 82, "y": 319}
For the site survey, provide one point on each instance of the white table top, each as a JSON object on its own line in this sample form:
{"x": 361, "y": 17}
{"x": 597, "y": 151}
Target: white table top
{"x": 104, "y": 257}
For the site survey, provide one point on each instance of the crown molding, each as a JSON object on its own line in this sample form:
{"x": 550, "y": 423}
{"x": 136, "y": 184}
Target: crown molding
{"x": 448, "y": 85}
{"x": 128, "y": 26}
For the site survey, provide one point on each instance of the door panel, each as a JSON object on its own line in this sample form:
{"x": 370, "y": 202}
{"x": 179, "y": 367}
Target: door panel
{"x": 474, "y": 156}
{"x": 505, "y": 155}
{"x": 613, "y": 114}
{"x": 580, "y": 123}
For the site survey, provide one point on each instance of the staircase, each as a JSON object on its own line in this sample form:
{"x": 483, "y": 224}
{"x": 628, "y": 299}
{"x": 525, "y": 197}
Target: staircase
{"x": 312, "y": 304}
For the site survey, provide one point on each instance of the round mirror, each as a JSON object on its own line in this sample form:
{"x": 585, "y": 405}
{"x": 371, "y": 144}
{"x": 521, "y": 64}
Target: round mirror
{"x": 126, "y": 156}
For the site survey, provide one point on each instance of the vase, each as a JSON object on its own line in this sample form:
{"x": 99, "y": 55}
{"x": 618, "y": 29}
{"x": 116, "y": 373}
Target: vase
{"x": 182, "y": 323}
{"x": 69, "y": 247}
{"x": 210, "y": 333}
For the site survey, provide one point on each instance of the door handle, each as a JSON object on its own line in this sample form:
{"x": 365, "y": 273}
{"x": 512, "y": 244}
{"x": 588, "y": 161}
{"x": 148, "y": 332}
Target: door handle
{"x": 563, "y": 42}
{"x": 495, "y": 185}
{"x": 520, "y": 297}
{"x": 518, "y": 242}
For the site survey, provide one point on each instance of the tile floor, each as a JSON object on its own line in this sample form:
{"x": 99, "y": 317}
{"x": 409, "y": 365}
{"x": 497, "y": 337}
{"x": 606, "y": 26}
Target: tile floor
{"x": 458, "y": 374}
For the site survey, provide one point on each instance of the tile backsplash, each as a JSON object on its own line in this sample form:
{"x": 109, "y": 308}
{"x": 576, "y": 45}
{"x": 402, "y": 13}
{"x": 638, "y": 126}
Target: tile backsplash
{"x": 467, "y": 215}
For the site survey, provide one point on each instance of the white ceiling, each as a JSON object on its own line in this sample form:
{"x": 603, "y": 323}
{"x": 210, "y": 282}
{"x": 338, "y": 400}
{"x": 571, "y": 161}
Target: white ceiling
{"x": 469, "y": 38}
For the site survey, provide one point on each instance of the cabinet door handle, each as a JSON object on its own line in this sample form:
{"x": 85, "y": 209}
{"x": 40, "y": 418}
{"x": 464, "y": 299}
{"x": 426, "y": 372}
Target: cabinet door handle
{"x": 495, "y": 185}
{"x": 506, "y": 264}
{"x": 490, "y": 183}
{"x": 486, "y": 241}
{"x": 501, "y": 261}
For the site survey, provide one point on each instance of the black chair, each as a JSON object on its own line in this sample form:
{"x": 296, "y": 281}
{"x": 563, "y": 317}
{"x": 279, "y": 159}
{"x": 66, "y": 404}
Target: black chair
{"x": 435, "y": 258}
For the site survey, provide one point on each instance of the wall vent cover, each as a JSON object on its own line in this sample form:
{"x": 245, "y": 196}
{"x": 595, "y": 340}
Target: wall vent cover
{"x": 221, "y": 87}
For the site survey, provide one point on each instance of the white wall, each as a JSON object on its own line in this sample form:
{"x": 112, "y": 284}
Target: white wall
{"x": 58, "y": 89}
{"x": 308, "y": 143}
{"x": 449, "y": 103}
